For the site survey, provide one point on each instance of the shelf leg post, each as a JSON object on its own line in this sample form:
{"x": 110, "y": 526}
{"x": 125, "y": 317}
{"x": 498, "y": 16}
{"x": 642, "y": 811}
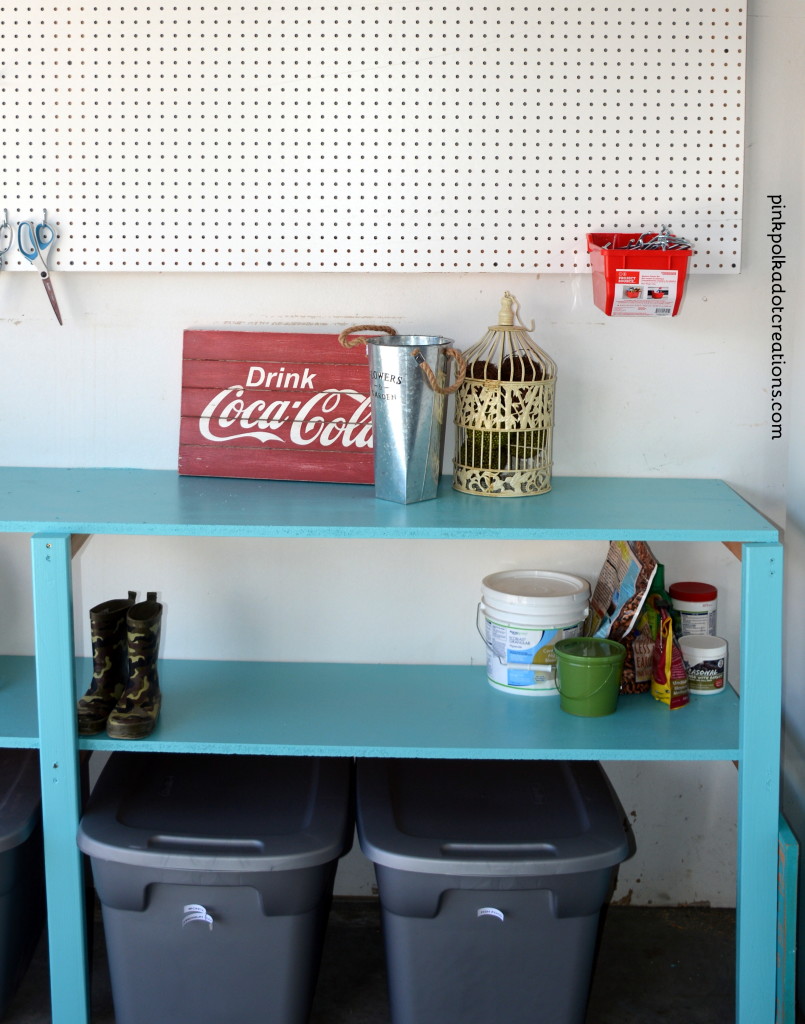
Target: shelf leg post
{"x": 759, "y": 782}
{"x": 55, "y": 670}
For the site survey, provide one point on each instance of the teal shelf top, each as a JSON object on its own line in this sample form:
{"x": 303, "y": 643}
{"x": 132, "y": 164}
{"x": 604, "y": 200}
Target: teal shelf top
{"x": 343, "y": 710}
{"x": 161, "y": 502}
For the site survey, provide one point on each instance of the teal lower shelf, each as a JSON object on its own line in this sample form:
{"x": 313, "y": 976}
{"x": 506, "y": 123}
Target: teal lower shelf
{"x": 383, "y": 710}
{"x": 18, "y": 721}
{"x": 410, "y": 711}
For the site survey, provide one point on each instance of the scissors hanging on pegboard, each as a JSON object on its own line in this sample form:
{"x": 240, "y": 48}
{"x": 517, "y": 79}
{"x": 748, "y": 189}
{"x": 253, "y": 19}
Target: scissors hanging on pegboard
{"x": 34, "y": 242}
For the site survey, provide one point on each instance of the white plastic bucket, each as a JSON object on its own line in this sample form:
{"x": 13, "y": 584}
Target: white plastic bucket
{"x": 522, "y": 613}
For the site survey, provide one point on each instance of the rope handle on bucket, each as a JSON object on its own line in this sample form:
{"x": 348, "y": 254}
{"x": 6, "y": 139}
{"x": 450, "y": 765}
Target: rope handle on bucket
{"x": 348, "y": 338}
{"x": 346, "y": 341}
{"x": 461, "y": 370}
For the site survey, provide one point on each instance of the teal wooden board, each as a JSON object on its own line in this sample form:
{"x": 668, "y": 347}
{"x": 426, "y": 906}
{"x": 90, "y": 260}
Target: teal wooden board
{"x": 18, "y": 719}
{"x": 759, "y": 781}
{"x": 61, "y": 793}
{"x": 410, "y": 711}
{"x": 160, "y": 502}
{"x": 787, "y": 883}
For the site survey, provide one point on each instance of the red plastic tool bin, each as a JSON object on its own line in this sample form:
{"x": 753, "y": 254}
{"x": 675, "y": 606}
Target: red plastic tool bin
{"x": 636, "y": 282}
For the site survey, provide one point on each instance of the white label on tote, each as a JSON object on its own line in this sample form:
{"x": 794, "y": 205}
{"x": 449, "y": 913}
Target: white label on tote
{"x": 195, "y": 912}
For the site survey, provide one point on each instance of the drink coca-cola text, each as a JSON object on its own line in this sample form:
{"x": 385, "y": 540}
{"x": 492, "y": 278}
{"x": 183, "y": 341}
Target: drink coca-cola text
{"x": 340, "y": 417}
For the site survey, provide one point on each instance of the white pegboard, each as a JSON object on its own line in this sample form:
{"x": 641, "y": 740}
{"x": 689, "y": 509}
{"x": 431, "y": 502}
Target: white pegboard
{"x": 400, "y": 136}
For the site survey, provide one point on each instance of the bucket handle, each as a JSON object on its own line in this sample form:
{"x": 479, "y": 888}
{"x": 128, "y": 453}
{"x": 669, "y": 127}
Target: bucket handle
{"x": 482, "y": 635}
{"x": 587, "y": 696}
{"x": 349, "y": 339}
{"x": 345, "y": 339}
{"x": 461, "y": 370}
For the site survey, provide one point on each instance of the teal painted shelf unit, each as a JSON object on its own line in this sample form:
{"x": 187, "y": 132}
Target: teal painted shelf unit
{"x": 394, "y": 710}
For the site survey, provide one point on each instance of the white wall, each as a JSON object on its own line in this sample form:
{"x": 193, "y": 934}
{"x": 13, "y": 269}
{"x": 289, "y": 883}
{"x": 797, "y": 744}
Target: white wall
{"x": 687, "y": 396}
{"x": 787, "y": 37}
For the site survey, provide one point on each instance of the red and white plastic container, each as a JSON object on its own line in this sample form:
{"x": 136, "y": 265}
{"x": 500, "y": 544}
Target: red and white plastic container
{"x": 695, "y": 606}
{"x": 636, "y": 282}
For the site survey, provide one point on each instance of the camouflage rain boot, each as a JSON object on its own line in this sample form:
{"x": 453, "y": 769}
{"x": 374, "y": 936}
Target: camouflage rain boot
{"x": 109, "y": 675}
{"x": 136, "y": 713}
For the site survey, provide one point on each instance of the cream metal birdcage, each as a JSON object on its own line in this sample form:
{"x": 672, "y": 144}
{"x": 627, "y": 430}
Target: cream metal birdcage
{"x": 504, "y": 412}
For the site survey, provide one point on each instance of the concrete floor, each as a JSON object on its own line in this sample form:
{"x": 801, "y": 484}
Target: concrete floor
{"x": 655, "y": 966}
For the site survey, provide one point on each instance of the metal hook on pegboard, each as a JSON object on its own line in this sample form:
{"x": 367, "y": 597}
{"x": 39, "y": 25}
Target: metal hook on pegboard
{"x": 5, "y": 230}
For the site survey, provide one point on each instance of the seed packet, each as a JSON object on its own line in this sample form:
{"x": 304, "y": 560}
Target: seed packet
{"x": 621, "y": 589}
{"x": 640, "y": 647}
{"x": 670, "y": 682}
{"x": 615, "y": 607}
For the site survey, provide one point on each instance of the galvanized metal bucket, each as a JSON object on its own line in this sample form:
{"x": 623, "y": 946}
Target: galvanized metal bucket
{"x": 408, "y": 375}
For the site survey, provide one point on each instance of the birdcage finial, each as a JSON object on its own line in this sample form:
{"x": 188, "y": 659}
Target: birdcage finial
{"x": 506, "y": 315}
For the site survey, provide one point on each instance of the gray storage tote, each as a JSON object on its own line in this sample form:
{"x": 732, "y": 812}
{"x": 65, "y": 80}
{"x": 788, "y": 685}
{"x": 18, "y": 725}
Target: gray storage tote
{"x": 215, "y": 877}
{"x": 492, "y": 876}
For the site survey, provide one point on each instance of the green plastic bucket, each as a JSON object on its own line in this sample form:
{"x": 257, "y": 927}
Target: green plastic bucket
{"x": 588, "y": 675}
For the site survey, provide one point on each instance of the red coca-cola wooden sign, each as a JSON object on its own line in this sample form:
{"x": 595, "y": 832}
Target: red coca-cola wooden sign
{"x": 275, "y": 406}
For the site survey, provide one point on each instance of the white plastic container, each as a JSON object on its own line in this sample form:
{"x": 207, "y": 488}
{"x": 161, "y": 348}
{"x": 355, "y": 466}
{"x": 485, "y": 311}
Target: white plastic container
{"x": 705, "y": 660}
{"x": 524, "y": 613}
